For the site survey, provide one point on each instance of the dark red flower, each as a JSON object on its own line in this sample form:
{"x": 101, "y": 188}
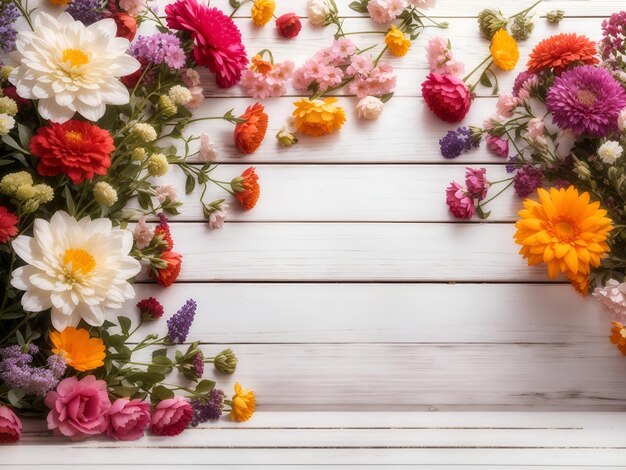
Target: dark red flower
{"x": 22, "y": 104}
{"x": 150, "y": 309}
{"x": 74, "y": 148}
{"x": 288, "y": 25}
{"x": 8, "y": 224}
{"x": 166, "y": 276}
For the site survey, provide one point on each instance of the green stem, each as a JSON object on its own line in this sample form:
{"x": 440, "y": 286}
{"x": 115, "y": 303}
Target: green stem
{"x": 523, "y": 12}
{"x": 484, "y": 203}
{"x": 476, "y": 68}
{"x": 439, "y": 25}
{"x": 364, "y": 32}
{"x": 25, "y": 14}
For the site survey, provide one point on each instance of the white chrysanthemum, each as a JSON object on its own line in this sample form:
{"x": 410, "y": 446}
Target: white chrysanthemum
{"x": 6, "y": 124}
{"x": 71, "y": 68}
{"x": 612, "y": 297}
{"x": 180, "y": 95}
{"x": 79, "y": 268}
{"x": 610, "y": 151}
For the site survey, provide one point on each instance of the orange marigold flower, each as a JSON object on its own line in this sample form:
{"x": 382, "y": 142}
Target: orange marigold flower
{"x": 243, "y": 404}
{"x": 618, "y": 336}
{"x": 79, "y": 350}
{"x": 262, "y": 11}
{"x": 565, "y": 231}
{"x": 580, "y": 282}
{"x": 250, "y": 134}
{"x": 167, "y": 275}
{"x": 260, "y": 65}
{"x": 397, "y": 42}
{"x": 504, "y": 50}
{"x": 317, "y": 117}
{"x": 246, "y": 188}
{"x": 559, "y": 51}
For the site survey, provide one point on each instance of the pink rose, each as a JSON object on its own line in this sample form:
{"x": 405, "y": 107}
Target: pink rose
{"x": 459, "y": 201}
{"x": 128, "y": 419}
{"x": 10, "y": 426}
{"x": 171, "y": 417}
{"x": 78, "y": 408}
{"x": 498, "y": 146}
{"x": 446, "y": 96}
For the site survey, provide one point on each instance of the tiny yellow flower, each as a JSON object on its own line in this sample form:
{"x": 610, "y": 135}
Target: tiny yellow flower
{"x": 243, "y": 404}
{"x": 397, "y": 42}
{"x": 262, "y": 11}
{"x": 317, "y": 117}
{"x": 59, "y": 2}
{"x": 504, "y": 50}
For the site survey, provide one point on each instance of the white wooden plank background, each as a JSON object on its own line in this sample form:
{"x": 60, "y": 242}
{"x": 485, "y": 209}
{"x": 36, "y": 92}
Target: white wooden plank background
{"x": 376, "y": 329}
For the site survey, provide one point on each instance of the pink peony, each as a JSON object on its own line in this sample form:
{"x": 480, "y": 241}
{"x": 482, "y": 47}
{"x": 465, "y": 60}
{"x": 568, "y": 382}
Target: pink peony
{"x": 217, "y": 41}
{"x": 10, "y": 426}
{"x": 459, "y": 201}
{"x": 171, "y": 417}
{"x": 78, "y": 408}
{"x": 476, "y": 182}
{"x": 440, "y": 58}
{"x": 446, "y": 96}
{"x": 498, "y": 146}
{"x": 128, "y": 419}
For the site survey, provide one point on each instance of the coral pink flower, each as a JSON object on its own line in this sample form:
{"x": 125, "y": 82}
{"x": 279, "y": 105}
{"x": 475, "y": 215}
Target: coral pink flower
{"x": 446, "y": 96}
{"x": 128, "y": 419}
{"x": 8, "y": 225}
{"x": 459, "y": 201}
{"x": 78, "y": 408}
{"x": 10, "y": 426}
{"x": 288, "y": 25}
{"x": 171, "y": 417}
{"x": 498, "y": 146}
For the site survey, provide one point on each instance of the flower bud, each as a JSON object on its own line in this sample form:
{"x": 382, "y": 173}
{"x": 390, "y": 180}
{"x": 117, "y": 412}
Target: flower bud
{"x": 5, "y": 71}
{"x": 582, "y": 171}
{"x": 167, "y": 106}
{"x": 150, "y": 309}
{"x": 43, "y": 193}
{"x": 144, "y": 132}
{"x": 522, "y": 26}
{"x": 226, "y": 361}
{"x": 25, "y": 192}
{"x": 104, "y": 193}
{"x": 555, "y": 16}
{"x": 138, "y": 154}
{"x": 490, "y": 21}
{"x": 157, "y": 164}
{"x": 236, "y": 184}
{"x": 30, "y": 206}
{"x": 8, "y": 106}
{"x": 180, "y": 95}
{"x": 286, "y": 138}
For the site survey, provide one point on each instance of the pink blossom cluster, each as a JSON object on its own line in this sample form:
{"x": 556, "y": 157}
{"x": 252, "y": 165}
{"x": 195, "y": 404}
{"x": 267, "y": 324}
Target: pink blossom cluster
{"x": 385, "y": 11}
{"x": 440, "y": 58}
{"x": 461, "y": 200}
{"x": 265, "y": 84}
{"x": 341, "y": 63}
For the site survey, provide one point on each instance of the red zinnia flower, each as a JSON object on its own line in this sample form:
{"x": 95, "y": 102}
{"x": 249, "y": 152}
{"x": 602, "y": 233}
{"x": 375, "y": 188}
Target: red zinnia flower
{"x": 288, "y": 25}
{"x": 150, "y": 309}
{"x": 250, "y": 134}
{"x": 8, "y": 225}
{"x": 166, "y": 276}
{"x": 217, "y": 40}
{"x": 559, "y": 51}
{"x": 75, "y": 148}
{"x": 446, "y": 96}
{"x": 247, "y": 189}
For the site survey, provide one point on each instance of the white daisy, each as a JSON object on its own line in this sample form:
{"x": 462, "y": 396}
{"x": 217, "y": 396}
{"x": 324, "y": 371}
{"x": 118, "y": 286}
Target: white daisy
{"x": 79, "y": 268}
{"x": 71, "y": 68}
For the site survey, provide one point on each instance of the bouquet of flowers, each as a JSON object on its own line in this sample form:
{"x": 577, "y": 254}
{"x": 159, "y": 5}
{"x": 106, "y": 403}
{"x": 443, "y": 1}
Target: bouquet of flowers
{"x": 565, "y": 124}
{"x": 88, "y": 119}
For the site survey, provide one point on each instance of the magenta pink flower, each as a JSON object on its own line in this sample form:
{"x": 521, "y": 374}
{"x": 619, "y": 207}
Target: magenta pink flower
{"x": 459, "y": 201}
{"x": 171, "y": 417}
{"x": 446, "y": 96}
{"x": 128, "y": 419}
{"x": 498, "y": 146}
{"x": 78, "y": 408}
{"x": 476, "y": 182}
{"x": 10, "y": 426}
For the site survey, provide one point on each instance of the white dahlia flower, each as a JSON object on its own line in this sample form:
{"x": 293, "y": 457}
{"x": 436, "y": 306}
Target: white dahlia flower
{"x": 79, "y": 268}
{"x": 71, "y": 68}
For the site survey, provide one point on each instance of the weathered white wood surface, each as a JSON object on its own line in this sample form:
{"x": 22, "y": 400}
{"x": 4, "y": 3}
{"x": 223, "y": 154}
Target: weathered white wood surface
{"x": 338, "y": 294}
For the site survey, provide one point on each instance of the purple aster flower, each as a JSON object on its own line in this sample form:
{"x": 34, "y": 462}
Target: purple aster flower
{"x": 86, "y": 11}
{"x": 586, "y": 99}
{"x": 178, "y": 325}
{"x": 17, "y": 372}
{"x": 476, "y": 182}
{"x": 456, "y": 142}
{"x": 161, "y": 48}
{"x": 209, "y": 409}
{"x": 527, "y": 179}
{"x": 8, "y": 14}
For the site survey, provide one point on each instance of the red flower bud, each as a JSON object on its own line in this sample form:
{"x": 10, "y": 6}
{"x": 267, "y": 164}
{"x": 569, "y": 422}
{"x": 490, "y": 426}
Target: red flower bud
{"x": 288, "y": 25}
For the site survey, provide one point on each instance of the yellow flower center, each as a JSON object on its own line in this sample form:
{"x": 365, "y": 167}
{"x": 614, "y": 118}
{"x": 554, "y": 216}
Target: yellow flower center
{"x": 75, "y": 57}
{"x": 564, "y": 230}
{"x": 78, "y": 263}
{"x": 74, "y": 137}
{"x": 586, "y": 97}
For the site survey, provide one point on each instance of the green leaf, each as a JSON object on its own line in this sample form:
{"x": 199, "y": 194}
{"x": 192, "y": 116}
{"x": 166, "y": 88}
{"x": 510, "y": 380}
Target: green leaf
{"x": 190, "y": 184}
{"x": 11, "y": 142}
{"x": 144, "y": 199}
{"x": 125, "y": 324}
{"x": 25, "y": 134}
{"x": 15, "y": 395}
{"x": 234, "y": 3}
{"x": 160, "y": 393}
{"x": 484, "y": 80}
{"x": 124, "y": 391}
{"x": 159, "y": 352}
{"x": 205, "y": 386}
{"x": 69, "y": 201}
{"x": 386, "y": 97}
{"x": 481, "y": 213}
{"x": 161, "y": 365}
{"x": 147, "y": 379}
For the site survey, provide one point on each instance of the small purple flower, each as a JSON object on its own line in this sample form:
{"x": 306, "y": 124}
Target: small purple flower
{"x": 160, "y": 48}
{"x": 209, "y": 409}
{"x": 561, "y": 183}
{"x": 179, "y": 324}
{"x": 527, "y": 180}
{"x": 198, "y": 364}
{"x": 476, "y": 182}
{"x": 520, "y": 80}
{"x": 17, "y": 372}
{"x": 456, "y": 142}
{"x": 511, "y": 166}
{"x": 86, "y": 11}
{"x": 8, "y": 14}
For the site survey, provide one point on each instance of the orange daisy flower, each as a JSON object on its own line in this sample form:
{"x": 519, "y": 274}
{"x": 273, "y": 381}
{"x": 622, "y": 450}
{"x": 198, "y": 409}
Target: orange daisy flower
{"x": 242, "y": 404}
{"x": 246, "y": 188}
{"x": 250, "y": 134}
{"x": 618, "y": 336}
{"x": 79, "y": 350}
{"x": 559, "y": 51}
{"x": 580, "y": 282}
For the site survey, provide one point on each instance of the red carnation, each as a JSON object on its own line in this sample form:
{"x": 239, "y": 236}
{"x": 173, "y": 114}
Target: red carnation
{"x": 74, "y": 148}
{"x": 8, "y": 225}
{"x": 150, "y": 309}
{"x": 217, "y": 40}
{"x": 446, "y": 96}
{"x": 126, "y": 24}
{"x": 166, "y": 276}
{"x": 288, "y": 25}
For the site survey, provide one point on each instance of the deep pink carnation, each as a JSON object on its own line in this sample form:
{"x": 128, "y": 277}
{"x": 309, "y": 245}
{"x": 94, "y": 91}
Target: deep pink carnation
{"x": 476, "y": 182}
{"x": 459, "y": 201}
{"x": 587, "y": 100}
{"x": 217, "y": 41}
{"x": 128, "y": 419}
{"x": 446, "y": 96}
{"x": 78, "y": 408}
{"x": 497, "y": 145}
{"x": 171, "y": 417}
{"x": 10, "y": 426}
